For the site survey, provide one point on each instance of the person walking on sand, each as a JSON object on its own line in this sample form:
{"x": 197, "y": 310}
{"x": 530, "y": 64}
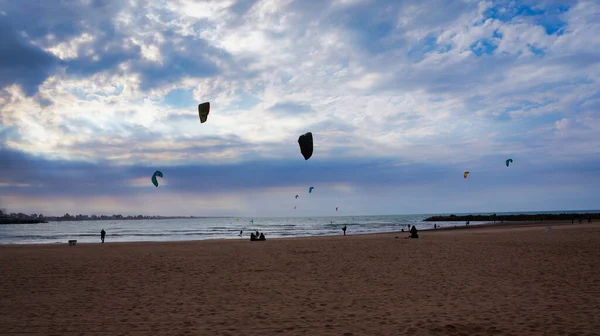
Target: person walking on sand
{"x": 344, "y": 229}
{"x": 102, "y": 235}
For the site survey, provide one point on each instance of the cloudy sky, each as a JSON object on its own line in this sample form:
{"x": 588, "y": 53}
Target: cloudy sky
{"x": 401, "y": 96}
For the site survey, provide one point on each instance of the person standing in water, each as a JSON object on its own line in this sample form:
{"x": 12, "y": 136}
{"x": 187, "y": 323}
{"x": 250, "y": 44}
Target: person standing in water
{"x": 344, "y": 229}
{"x": 102, "y": 235}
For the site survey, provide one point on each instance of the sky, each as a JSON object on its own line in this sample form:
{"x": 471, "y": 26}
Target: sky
{"x": 401, "y": 96}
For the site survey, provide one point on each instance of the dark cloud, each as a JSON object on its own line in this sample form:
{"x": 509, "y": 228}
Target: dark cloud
{"x": 291, "y": 108}
{"x": 69, "y": 178}
{"x": 177, "y": 64}
{"x": 81, "y": 179}
{"x": 241, "y": 7}
{"x": 374, "y": 23}
{"x": 21, "y": 62}
{"x": 182, "y": 56}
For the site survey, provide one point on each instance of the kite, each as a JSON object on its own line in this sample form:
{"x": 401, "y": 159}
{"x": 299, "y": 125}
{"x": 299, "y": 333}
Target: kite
{"x": 306, "y": 145}
{"x": 336, "y": 208}
{"x": 509, "y": 161}
{"x": 310, "y": 189}
{"x": 203, "y": 110}
{"x": 466, "y": 174}
{"x": 295, "y": 207}
{"x": 156, "y": 173}
{"x": 296, "y": 196}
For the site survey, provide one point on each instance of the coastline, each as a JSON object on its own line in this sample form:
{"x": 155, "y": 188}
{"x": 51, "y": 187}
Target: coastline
{"x": 46, "y": 220}
{"x": 515, "y": 217}
{"x": 461, "y": 227}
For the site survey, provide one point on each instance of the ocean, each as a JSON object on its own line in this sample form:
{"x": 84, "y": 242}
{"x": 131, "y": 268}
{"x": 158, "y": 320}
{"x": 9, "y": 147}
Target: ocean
{"x": 218, "y": 228}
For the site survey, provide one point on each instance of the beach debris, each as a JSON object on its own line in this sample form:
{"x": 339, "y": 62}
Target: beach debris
{"x": 306, "y": 145}
{"x": 72, "y": 242}
{"x": 156, "y": 173}
{"x": 203, "y": 110}
{"x": 508, "y": 162}
{"x": 466, "y": 174}
{"x": 310, "y": 189}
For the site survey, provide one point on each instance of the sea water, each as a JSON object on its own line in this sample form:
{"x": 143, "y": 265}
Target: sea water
{"x": 215, "y": 228}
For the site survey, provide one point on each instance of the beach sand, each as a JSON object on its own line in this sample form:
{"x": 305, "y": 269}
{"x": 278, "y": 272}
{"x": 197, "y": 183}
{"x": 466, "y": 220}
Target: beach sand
{"x": 503, "y": 280}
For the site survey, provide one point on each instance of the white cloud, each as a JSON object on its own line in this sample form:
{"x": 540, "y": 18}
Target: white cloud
{"x": 563, "y": 124}
{"x": 393, "y": 105}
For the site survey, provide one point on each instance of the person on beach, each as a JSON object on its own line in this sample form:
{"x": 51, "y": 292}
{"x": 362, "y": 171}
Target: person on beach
{"x": 434, "y": 226}
{"x": 344, "y": 229}
{"x": 413, "y": 232}
{"x": 102, "y": 235}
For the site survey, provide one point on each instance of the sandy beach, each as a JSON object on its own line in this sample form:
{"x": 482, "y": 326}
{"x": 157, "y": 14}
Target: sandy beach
{"x": 510, "y": 279}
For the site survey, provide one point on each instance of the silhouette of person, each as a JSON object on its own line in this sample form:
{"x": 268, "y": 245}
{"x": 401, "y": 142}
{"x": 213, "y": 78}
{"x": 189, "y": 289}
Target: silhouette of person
{"x": 344, "y": 229}
{"x": 413, "y": 232}
{"x": 102, "y": 235}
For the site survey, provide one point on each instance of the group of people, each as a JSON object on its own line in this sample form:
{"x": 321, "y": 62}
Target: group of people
{"x": 258, "y": 236}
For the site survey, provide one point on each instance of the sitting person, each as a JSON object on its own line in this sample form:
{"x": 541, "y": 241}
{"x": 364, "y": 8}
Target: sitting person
{"x": 262, "y": 236}
{"x": 252, "y": 237}
{"x": 413, "y": 232}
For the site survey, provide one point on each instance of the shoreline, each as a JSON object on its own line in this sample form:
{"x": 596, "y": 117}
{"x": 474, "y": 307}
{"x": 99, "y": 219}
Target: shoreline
{"x": 462, "y": 227}
{"x": 515, "y": 217}
{"x": 53, "y": 219}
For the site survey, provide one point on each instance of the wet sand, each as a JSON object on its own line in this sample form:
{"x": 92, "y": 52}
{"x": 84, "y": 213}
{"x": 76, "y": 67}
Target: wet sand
{"x": 511, "y": 279}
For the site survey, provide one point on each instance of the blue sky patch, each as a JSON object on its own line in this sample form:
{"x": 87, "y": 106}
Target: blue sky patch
{"x": 180, "y": 98}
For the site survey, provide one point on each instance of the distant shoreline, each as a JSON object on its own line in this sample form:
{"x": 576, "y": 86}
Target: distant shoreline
{"x": 45, "y": 220}
{"x": 7, "y": 220}
{"x": 519, "y": 217}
